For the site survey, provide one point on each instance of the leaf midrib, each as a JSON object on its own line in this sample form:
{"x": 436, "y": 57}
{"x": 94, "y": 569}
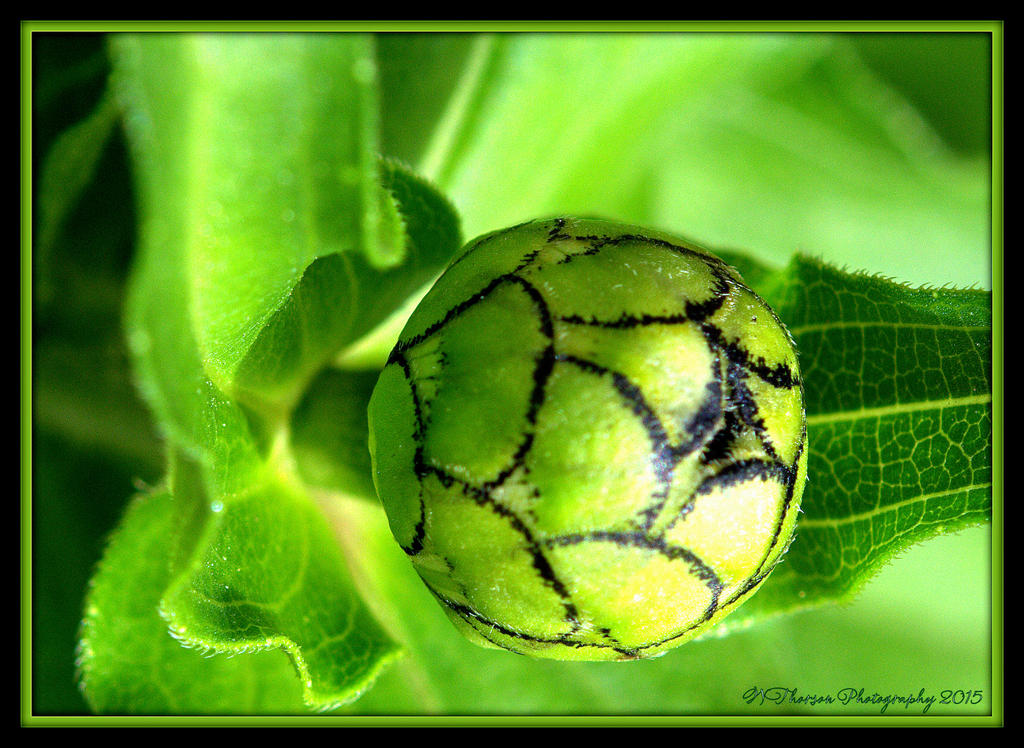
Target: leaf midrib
{"x": 827, "y": 326}
{"x": 888, "y": 410}
{"x": 831, "y": 522}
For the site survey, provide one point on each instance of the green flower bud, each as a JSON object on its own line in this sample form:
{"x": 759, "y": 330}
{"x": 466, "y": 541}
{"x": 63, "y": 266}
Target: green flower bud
{"x": 590, "y": 440}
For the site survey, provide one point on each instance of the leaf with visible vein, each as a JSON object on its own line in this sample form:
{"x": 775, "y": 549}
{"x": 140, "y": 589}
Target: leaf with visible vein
{"x": 237, "y": 579}
{"x": 128, "y": 661}
{"x": 266, "y": 572}
{"x": 898, "y": 383}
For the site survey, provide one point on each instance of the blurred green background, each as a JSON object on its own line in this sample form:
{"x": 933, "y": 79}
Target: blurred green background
{"x": 923, "y": 622}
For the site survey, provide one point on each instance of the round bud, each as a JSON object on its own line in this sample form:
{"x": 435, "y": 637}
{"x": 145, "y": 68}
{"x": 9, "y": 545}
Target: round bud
{"x": 590, "y": 440}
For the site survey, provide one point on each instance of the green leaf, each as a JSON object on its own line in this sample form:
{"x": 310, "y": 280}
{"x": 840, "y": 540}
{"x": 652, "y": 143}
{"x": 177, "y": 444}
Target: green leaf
{"x": 242, "y": 506}
{"x": 189, "y": 408}
{"x": 772, "y": 142}
{"x": 417, "y": 77}
{"x": 898, "y": 383}
{"x": 67, "y": 171}
{"x": 241, "y": 578}
{"x": 128, "y": 661}
{"x": 267, "y": 572}
{"x": 77, "y": 497}
{"x": 255, "y": 565}
{"x": 329, "y": 433}
{"x": 328, "y": 426}
{"x": 296, "y": 240}
{"x": 926, "y": 67}
{"x": 267, "y": 177}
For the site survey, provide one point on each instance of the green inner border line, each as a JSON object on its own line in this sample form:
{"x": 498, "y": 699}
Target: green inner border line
{"x": 518, "y": 26}
{"x": 30, "y": 27}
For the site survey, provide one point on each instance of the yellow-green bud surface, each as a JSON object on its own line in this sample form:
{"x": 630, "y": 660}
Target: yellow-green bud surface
{"x": 590, "y": 440}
